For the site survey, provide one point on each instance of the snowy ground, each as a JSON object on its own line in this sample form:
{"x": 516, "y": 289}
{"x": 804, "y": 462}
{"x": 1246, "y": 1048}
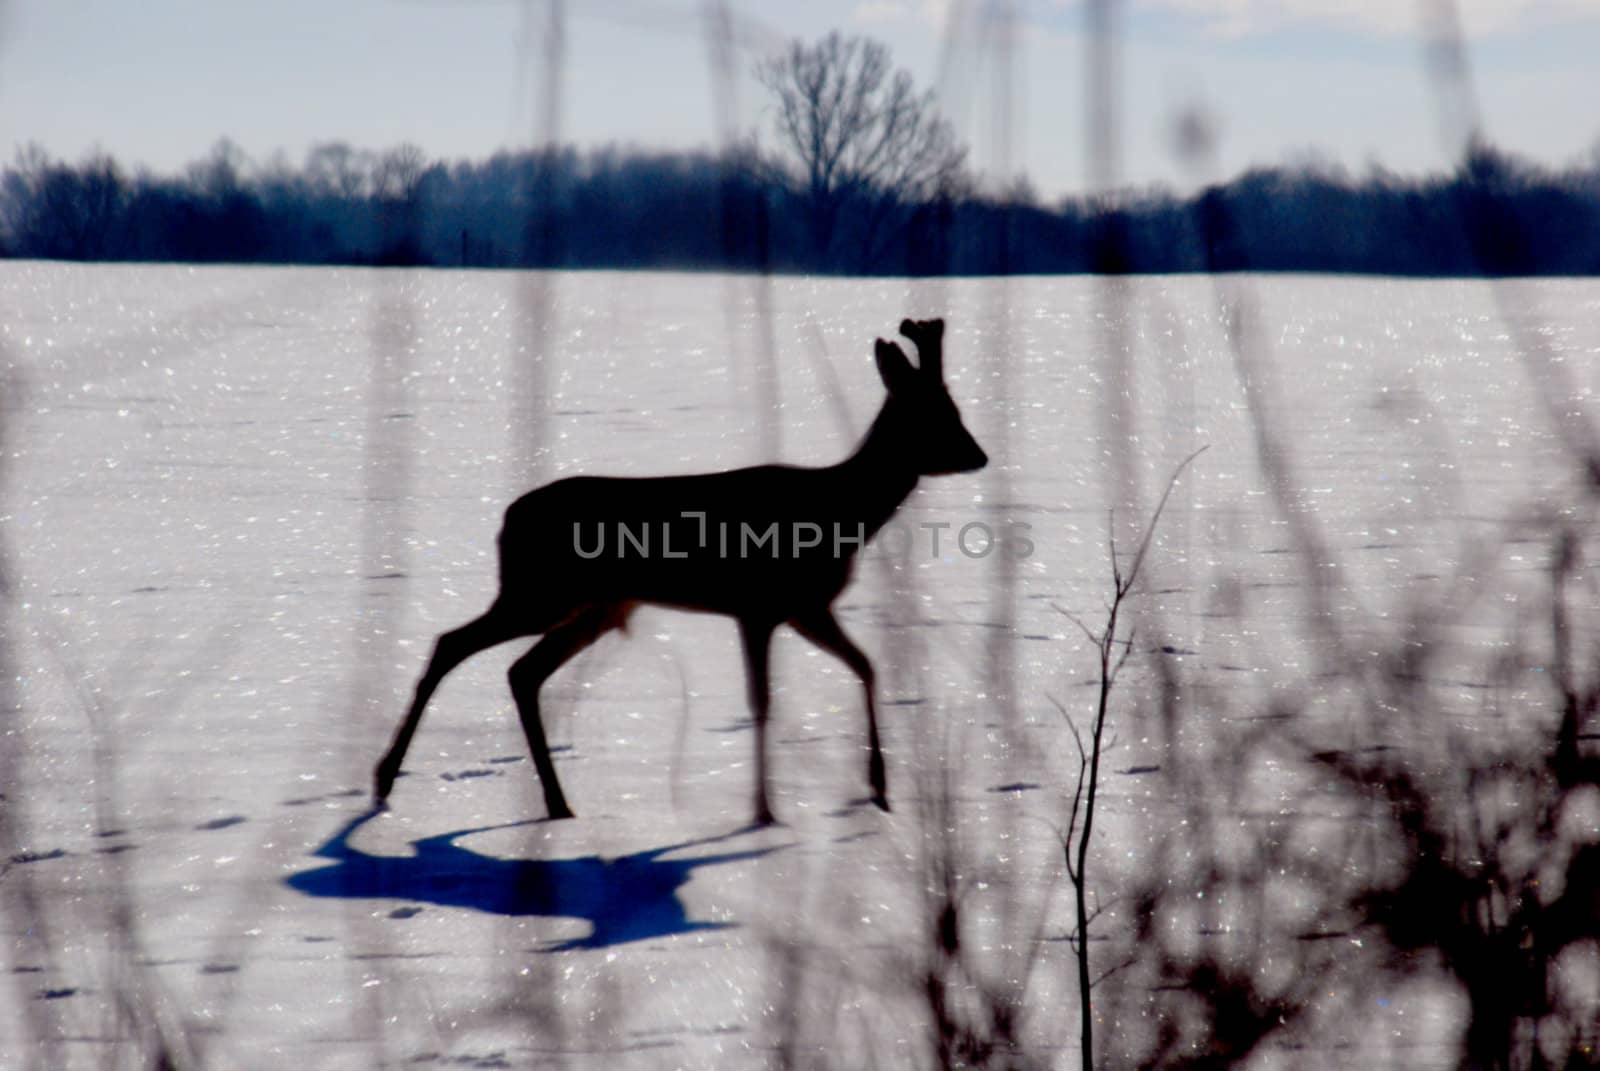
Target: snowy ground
{"x": 229, "y": 551}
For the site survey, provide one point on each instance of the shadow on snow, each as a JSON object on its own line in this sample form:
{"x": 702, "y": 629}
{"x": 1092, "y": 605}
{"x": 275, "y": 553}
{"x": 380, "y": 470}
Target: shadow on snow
{"x": 628, "y": 898}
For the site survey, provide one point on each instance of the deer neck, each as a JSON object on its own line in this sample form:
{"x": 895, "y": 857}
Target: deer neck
{"x": 879, "y": 475}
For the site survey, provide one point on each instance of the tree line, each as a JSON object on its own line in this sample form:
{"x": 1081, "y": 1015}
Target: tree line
{"x": 614, "y": 208}
{"x": 863, "y": 177}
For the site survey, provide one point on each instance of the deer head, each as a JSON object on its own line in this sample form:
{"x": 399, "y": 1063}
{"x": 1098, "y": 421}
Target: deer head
{"x": 932, "y": 438}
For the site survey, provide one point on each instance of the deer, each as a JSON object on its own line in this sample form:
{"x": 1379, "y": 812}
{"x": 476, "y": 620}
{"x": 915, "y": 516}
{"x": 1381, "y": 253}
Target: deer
{"x": 768, "y": 545}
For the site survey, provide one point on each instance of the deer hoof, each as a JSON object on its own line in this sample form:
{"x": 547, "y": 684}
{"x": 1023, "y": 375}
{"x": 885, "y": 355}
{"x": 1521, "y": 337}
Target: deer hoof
{"x": 383, "y": 782}
{"x": 878, "y": 779}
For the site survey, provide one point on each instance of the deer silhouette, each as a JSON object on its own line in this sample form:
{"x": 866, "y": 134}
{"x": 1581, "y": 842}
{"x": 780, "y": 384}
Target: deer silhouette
{"x": 767, "y": 546}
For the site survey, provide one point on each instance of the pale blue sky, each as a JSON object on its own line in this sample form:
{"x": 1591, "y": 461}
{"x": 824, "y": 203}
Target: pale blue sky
{"x": 158, "y": 81}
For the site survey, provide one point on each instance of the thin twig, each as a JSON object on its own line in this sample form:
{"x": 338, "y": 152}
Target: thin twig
{"x": 1150, "y": 530}
{"x": 1085, "y": 792}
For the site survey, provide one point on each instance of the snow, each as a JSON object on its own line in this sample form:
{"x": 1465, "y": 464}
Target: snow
{"x": 229, "y": 550}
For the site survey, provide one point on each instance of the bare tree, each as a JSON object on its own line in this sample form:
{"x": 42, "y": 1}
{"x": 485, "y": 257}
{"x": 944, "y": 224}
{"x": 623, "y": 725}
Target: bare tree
{"x": 398, "y": 176}
{"x": 222, "y": 173}
{"x": 859, "y": 141}
{"x": 336, "y": 168}
{"x": 398, "y": 172}
{"x": 56, "y": 210}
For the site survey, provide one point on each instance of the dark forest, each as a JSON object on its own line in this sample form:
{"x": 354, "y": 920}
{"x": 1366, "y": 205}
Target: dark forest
{"x": 614, "y": 208}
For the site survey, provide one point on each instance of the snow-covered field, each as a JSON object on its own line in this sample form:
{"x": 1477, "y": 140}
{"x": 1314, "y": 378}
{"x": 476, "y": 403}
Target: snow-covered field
{"x": 240, "y": 504}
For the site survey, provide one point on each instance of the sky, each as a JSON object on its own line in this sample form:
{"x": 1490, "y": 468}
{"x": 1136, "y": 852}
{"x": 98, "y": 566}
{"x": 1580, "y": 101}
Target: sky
{"x": 157, "y": 83}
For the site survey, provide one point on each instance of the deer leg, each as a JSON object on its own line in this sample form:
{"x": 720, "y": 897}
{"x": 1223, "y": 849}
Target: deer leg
{"x": 757, "y": 637}
{"x": 822, "y": 629}
{"x": 530, "y": 672}
{"x": 452, "y": 648}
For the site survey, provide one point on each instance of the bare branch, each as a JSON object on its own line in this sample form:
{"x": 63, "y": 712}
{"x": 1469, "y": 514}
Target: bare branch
{"x": 1127, "y": 652}
{"x": 1150, "y": 529}
{"x": 1109, "y": 971}
{"x": 1093, "y": 637}
{"x": 1111, "y": 551}
{"x": 1085, "y": 792}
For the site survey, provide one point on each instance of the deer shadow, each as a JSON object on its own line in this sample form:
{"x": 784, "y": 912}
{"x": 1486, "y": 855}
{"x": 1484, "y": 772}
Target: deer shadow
{"x": 626, "y": 898}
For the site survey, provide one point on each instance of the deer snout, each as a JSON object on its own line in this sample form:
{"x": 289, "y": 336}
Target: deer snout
{"x": 962, "y": 455}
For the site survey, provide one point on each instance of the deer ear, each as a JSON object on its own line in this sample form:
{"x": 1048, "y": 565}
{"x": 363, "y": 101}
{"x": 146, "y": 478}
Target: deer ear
{"x": 930, "y": 329}
{"x": 896, "y": 371}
